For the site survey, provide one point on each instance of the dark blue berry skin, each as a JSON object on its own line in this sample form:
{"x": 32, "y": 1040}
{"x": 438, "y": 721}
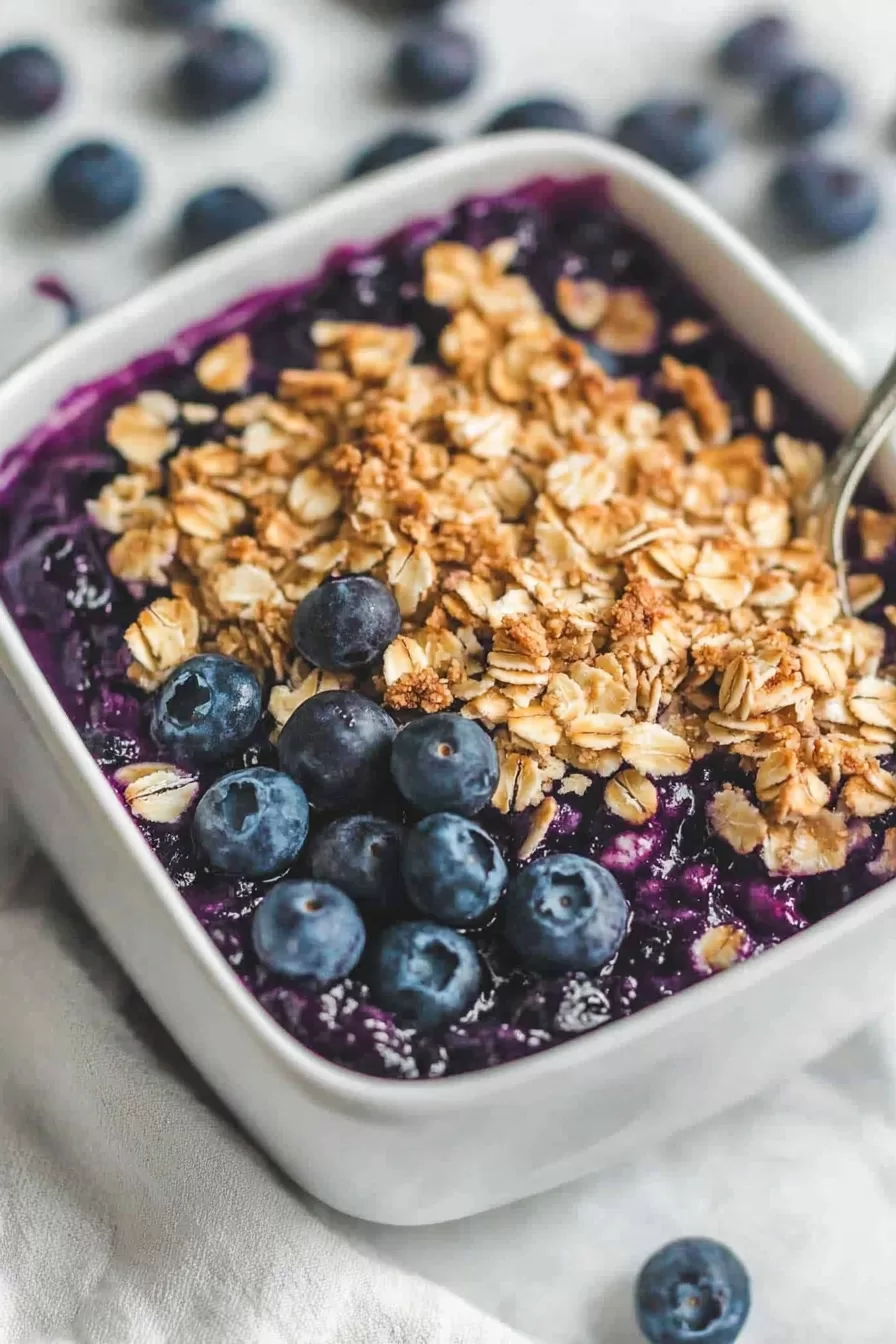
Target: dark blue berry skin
{"x": 693, "y": 1291}
{"x": 221, "y": 70}
{"x": 427, "y": 975}
{"x": 416, "y": 9}
{"x": 95, "y": 183}
{"x": 445, "y": 763}
{"x": 337, "y": 745}
{"x": 362, "y": 856}
{"x": 804, "y": 102}
{"x": 308, "y": 931}
{"x": 207, "y": 709}
{"x": 681, "y": 135}
{"x": 565, "y": 913}
{"x": 394, "y": 148}
{"x": 218, "y": 214}
{"x": 760, "y": 49}
{"x": 435, "y": 64}
{"x": 453, "y": 870}
{"x": 31, "y": 82}
{"x": 826, "y": 203}
{"x": 346, "y": 624}
{"x": 537, "y": 114}
{"x": 252, "y": 823}
{"x": 179, "y": 11}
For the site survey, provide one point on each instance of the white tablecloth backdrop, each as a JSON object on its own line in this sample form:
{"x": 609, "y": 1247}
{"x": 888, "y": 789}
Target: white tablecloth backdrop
{"x": 130, "y": 1209}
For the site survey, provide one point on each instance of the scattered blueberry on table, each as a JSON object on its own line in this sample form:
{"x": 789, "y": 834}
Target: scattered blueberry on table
{"x": 435, "y": 64}
{"x": 346, "y": 624}
{"x": 825, "y": 202}
{"x": 32, "y": 82}
{"x": 252, "y": 823}
{"x": 453, "y": 870}
{"x": 308, "y": 931}
{"x": 218, "y": 214}
{"x": 207, "y": 709}
{"x": 179, "y": 11}
{"x": 425, "y": 974}
{"x": 393, "y": 148}
{"x": 445, "y": 763}
{"x": 758, "y": 49}
{"x": 362, "y": 856}
{"x": 337, "y": 745}
{"x": 95, "y": 183}
{"x": 682, "y": 135}
{"x": 805, "y": 101}
{"x": 221, "y": 69}
{"x": 537, "y": 114}
{"x": 693, "y": 1291}
{"x": 565, "y": 912}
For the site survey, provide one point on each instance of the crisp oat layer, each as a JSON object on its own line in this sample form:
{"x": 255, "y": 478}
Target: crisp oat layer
{"x": 612, "y": 586}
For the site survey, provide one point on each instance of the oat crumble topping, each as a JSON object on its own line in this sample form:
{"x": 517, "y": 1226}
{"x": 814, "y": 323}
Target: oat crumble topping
{"x": 612, "y": 589}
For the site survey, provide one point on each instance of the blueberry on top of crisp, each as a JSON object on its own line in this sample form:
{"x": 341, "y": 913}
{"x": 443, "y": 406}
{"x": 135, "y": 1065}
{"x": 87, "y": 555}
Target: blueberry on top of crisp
{"x": 337, "y": 745}
{"x": 445, "y": 763}
{"x": 453, "y": 870}
{"x": 308, "y": 931}
{"x": 362, "y": 855}
{"x": 425, "y": 974}
{"x": 207, "y": 709}
{"x": 565, "y": 912}
{"x": 346, "y": 624}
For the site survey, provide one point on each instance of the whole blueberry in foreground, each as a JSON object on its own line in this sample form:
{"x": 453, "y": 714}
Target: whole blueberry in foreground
{"x": 31, "y": 82}
{"x": 693, "y": 1291}
{"x": 759, "y": 48}
{"x": 435, "y": 64}
{"x": 682, "y": 135}
{"x": 424, "y": 973}
{"x": 536, "y": 114}
{"x": 362, "y": 855}
{"x": 217, "y": 214}
{"x": 453, "y": 870}
{"x": 805, "y": 101}
{"x": 208, "y": 708}
{"x": 95, "y": 183}
{"x": 222, "y": 69}
{"x": 565, "y": 913}
{"x": 252, "y": 823}
{"x": 179, "y": 11}
{"x": 391, "y": 149}
{"x": 346, "y": 624}
{"x": 826, "y": 202}
{"x": 308, "y": 931}
{"x": 337, "y": 745}
{"x": 445, "y": 763}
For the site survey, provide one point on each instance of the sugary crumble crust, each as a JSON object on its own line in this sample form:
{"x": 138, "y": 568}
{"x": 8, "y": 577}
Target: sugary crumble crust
{"x": 612, "y": 590}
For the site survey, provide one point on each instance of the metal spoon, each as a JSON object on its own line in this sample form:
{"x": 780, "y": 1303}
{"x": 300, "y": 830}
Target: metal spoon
{"x": 828, "y": 506}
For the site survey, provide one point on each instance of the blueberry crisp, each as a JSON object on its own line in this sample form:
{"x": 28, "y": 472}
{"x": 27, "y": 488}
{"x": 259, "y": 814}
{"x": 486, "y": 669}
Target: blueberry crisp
{"x": 443, "y": 624}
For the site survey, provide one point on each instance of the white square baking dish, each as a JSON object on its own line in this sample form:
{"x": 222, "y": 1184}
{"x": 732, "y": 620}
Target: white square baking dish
{"x": 393, "y": 1151}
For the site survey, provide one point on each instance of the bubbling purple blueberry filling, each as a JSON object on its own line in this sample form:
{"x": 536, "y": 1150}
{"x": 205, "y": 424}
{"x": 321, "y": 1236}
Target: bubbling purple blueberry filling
{"x": 695, "y": 824}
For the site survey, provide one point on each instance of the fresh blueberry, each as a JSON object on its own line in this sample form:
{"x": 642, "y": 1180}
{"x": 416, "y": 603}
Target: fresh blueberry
{"x": 31, "y": 82}
{"x": 826, "y": 202}
{"x": 217, "y": 214}
{"x": 535, "y": 114}
{"x": 453, "y": 869}
{"x": 252, "y": 823}
{"x": 565, "y": 913}
{"x": 445, "y": 763}
{"x": 391, "y": 149}
{"x": 682, "y": 135}
{"x": 179, "y": 11}
{"x": 222, "y": 69}
{"x": 693, "y": 1291}
{"x": 207, "y": 709}
{"x": 435, "y": 64}
{"x": 805, "y": 101}
{"x": 424, "y": 973}
{"x": 758, "y": 49}
{"x": 346, "y": 624}
{"x": 308, "y": 931}
{"x": 362, "y": 855}
{"x": 95, "y": 183}
{"x": 337, "y": 746}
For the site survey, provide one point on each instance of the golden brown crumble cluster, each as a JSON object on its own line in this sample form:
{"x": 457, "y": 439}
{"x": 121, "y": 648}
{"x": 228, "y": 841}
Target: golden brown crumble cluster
{"x": 609, "y": 589}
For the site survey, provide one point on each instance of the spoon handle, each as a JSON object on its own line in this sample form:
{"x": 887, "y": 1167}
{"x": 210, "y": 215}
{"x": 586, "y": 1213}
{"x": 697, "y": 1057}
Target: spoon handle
{"x": 834, "y": 492}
